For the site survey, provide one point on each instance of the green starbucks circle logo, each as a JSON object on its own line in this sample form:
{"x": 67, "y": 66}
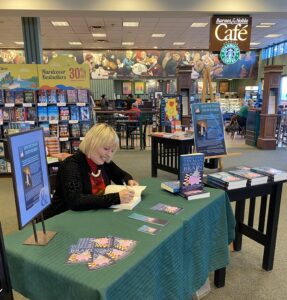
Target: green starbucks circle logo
{"x": 230, "y": 53}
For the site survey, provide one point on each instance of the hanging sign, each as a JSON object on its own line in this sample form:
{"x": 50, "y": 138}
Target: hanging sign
{"x": 229, "y": 53}
{"x": 232, "y": 29}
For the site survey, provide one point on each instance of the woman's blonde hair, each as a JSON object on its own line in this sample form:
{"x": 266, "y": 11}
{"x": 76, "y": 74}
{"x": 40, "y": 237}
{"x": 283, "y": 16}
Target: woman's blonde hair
{"x": 99, "y": 135}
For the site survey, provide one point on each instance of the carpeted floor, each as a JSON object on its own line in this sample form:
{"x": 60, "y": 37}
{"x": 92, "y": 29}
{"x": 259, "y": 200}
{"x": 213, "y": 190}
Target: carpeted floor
{"x": 245, "y": 279}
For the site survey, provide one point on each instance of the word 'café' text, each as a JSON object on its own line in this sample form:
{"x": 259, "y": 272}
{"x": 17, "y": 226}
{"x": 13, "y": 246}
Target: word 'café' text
{"x": 53, "y": 74}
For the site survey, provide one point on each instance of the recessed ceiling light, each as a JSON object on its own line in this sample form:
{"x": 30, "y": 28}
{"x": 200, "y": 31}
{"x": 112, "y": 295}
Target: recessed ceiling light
{"x": 272, "y": 35}
{"x": 158, "y": 35}
{"x": 1, "y": 43}
{"x": 131, "y": 24}
{"x": 155, "y": 47}
{"x": 127, "y": 43}
{"x": 19, "y": 43}
{"x": 75, "y": 43}
{"x": 254, "y": 43}
{"x": 60, "y": 23}
{"x": 99, "y": 34}
{"x": 198, "y": 24}
{"x": 263, "y": 26}
{"x": 178, "y": 43}
{"x": 267, "y": 24}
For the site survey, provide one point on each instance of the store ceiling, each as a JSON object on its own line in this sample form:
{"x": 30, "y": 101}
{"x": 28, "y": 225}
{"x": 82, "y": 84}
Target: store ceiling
{"x": 176, "y": 26}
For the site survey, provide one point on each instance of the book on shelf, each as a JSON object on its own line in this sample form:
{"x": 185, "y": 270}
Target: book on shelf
{"x": 3, "y": 166}
{"x": 72, "y": 96}
{"x": 20, "y": 114}
{"x": 52, "y": 96}
{"x": 191, "y": 176}
{"x": 2, "y": 97}
{"x": 52, "y": 145}
{"x": 63, "y": 130}
{"x": 272, "y": 173}
{"x": 83, "y": 96}
{"x": 31, "y": 114}
{"x": 53, "y": 130}
{"x": 84, "y": 128}
{"x": 75, "y": 130}
{"x": 42, "y": 96}
{"x": 53, "y": 113}
{"x": 64, "y": 113}
{"x": 253, "y": 178}
{"x": 9, "y": 96}
{"x": 65, "y": 147}
{"x": 8, "y": 114}
{"x": 74, "y": 113}
{"x": 171, "y": 186}
{"x": 113, "y": 188}
{"x": 19, "y": 97}
{"x": 46, "y": 128}
{"x": 75, "y": 146}
{"x": 1, "y": 116}
{"x": 61, "y": 96}
{"x": 2, "y": 152}
{"x": 29, "y": 97}
{"x": 42, "y": 113}
{"x": 85, "y": 113}
{"x": 227, "y": 180}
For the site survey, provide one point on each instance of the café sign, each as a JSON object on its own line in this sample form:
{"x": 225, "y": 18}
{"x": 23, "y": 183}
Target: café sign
{"x": 233, "y": 29}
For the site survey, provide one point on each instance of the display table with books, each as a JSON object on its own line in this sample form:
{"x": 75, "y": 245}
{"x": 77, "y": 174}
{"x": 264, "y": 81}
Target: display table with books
{"x": 172, "y": 264}
{"x": 269, "y": 195}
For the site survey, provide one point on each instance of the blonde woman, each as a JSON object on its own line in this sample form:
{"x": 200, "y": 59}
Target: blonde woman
{"x": 83, "y": 177}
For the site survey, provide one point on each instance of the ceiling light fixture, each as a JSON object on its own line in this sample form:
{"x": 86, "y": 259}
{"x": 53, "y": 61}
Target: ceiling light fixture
{"x": 158, "y": 35}
{"x": 75, "y": 43}
{"x": 254, "y": 43}
{"x": 198, "y": 24}
{"x": 263, "y": 26}
{"x": 131, "y": 24}
{"x": 268, "y": 24}
{"x": 127, "y": 43}
{"x": 272, "y": 35}
{"x": 99, "y": 34}
{"x": 60, "y": 23}
{"x": 179, "y": 43}
{"x": 19, "y": 43}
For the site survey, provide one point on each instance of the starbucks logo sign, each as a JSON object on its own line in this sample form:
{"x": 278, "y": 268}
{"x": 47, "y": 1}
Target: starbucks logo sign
{"x": 230, "y": 53}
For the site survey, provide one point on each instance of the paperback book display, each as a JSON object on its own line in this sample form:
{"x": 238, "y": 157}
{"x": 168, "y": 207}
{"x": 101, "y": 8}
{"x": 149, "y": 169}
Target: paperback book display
{"x": 273, "y": 174}
{"x": 227, "y": 180}
{"x": 252, "y": 177}
{"x": 100, "y": 252}
{"x": 171, "y": 186}
{"x": 191, "y": 176}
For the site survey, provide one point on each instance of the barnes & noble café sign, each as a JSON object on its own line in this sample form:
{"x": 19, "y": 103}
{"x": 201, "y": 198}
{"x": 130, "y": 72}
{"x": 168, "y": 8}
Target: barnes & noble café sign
{"x": 230, "y": 31}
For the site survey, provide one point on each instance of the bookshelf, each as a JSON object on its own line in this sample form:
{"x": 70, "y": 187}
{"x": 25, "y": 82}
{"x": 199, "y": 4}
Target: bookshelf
{"x": 64, "y": 115}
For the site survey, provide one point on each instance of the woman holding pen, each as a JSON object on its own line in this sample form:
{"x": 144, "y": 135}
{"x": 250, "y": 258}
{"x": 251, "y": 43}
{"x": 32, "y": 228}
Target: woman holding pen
{"x": 83, "y": 177}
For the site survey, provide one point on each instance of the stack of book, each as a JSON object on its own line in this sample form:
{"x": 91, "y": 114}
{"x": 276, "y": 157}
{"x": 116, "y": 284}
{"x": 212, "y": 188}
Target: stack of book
{"x": 226, "y": 180}
{"x": 252, "y": 177}
{"x": 273, "y": 174}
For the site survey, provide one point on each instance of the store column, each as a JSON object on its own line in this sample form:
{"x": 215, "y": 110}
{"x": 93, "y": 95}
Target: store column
{"x": 32, "y": 40}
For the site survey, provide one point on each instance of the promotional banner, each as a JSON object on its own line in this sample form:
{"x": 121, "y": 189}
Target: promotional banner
{"x": 21, "y": 76}
{"x": 64, "y": 73}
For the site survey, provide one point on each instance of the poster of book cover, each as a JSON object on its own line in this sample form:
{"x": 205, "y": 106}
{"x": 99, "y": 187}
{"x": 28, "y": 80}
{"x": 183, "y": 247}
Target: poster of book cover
{"x": 170, "y": 112}
{"x": 208, "y": 128}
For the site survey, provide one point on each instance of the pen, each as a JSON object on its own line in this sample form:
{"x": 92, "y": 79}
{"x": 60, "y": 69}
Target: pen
{"x": 126, "y": 186}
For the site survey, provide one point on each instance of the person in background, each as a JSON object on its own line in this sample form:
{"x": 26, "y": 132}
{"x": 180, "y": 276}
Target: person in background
{"x": 135, "y": 112}
{"x": 239, "y": 119}
{"x": 83, "y": 177}
{"x": 130, "y": 100}
{"x": 104, "y": 102}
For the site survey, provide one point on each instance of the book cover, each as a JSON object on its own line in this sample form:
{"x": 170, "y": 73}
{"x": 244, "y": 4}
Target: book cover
{"x": 20, "y": 114}
{"x": 75, "y": 146}
{"x": 72, "y": 96}
{"x": 8, "y": 114}
{"x": 61, "y": 96}
{"x": 171, "y": 210}
{"x": 2, "y": 153}
{"x": 29, "y": 97}
{"x": 191, "y": 174}
{"x": 84, "y": 128}
{"x": 2, "y": 97}
{"x": 252, "y": 177}
{"x": 148, "y": 219}
{"x": 42, "y": 96}
{"x": 272, "y": 173}
{"x": 52, "y": 96}
{"x": 227, "y": 180}
{"x": 31, "y": 114}
{"x": 171, "y": 186}
{"x": 64, "y": 113}
{"x": 63, "y": 130}
{"x": 65, "y": 147}
{"x": 46, "y": 129}
{"x": 83, "y": 96}
{"x": 53, "y": 113}
{"x": 1, "y": 116}
{"x": 75, "y": 130}
{"x": 74, "y": 112}
{"x": 85, "y": 113}
{"x": 42, "y": 113}
{"x": 9, "y": 96}
{"x": 19, "y": 97}
{"x": 53, "y": 129}
{"x": 3, "y": 166}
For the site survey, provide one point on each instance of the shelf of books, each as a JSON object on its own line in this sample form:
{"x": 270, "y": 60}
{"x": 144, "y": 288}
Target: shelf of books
{"x": 64, "y": 115}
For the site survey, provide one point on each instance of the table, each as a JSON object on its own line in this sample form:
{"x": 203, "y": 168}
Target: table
{"x": 170, "y": 265}
{"x": 166, "y": 151}
{"x": 266, "y": 232}
{"x": 129, "y": 126}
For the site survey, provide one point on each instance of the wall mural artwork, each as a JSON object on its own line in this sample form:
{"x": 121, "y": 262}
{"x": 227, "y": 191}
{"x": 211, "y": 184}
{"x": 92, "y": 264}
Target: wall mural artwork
{"x": 141, "y": 64}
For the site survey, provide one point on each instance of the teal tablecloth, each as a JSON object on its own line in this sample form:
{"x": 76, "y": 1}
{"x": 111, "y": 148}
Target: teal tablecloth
{"x": 170, "y": 265}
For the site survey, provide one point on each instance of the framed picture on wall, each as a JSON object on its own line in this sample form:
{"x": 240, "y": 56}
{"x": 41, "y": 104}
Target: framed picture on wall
{"x": 127, "y": 87}
{"x": 139, "y": 87}
{"x": 223, "y": 87}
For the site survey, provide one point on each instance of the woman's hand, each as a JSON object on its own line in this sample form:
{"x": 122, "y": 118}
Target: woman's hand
{"x": 126, "y": 195}
{"x": 132, "y": 182}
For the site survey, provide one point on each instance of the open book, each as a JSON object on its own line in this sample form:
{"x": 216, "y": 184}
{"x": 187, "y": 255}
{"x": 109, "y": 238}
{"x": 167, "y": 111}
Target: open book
{"x": 113, "y": 188}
